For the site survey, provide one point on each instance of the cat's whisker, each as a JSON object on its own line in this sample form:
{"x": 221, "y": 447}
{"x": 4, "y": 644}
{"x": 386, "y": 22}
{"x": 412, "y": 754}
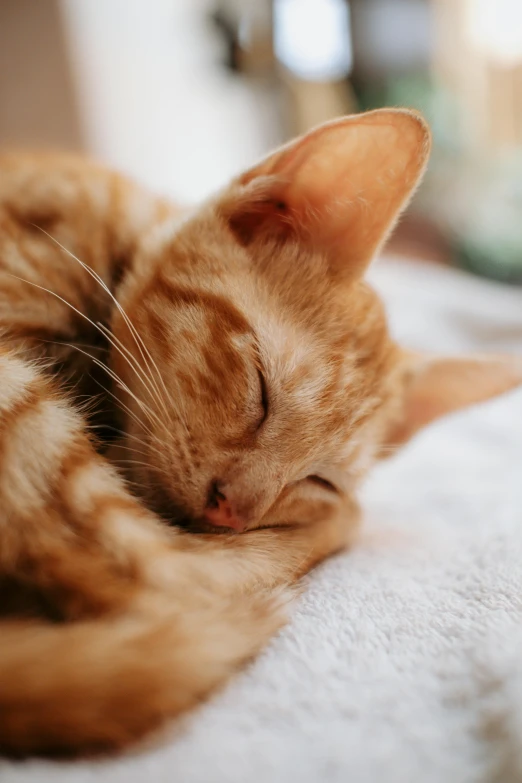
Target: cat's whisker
{"x": 138, "y": 487}
{"x": 79, "y": 312}
{"x": 151, "y": 416}
{"x": 137, "y": 338}
{"x": 131, "y": 437}
{"x": 132, "y": 450}
{"x": 117, "y": 431}
{"x": 138, "y": 369}
{"x": 134, "y": 462}
{"x": 130, "y": 356}
{"x": 155, "y": 451}
{"x": 60, "y": 342}
{"x": 127, "y": 464}
{"x": 161, "y": 444}
{"x": 140, "y": 464}
{"x": 125, "y": 408}
{"x": 136, "y": 451}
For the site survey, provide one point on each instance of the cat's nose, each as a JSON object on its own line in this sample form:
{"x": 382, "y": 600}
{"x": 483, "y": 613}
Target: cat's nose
{"x": 220, "y": 511}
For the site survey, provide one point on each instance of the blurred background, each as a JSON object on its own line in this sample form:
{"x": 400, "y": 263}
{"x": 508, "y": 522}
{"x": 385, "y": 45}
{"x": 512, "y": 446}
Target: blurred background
{"x": 183, "y": 94}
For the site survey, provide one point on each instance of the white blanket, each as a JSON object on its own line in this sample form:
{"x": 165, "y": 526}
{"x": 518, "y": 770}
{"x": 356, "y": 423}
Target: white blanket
{"x": 403, "y": 660}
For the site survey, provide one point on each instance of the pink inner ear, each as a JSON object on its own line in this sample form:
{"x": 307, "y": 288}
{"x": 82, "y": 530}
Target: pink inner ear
{"x": 355, "y": 180}
{"x": 251, "y": 218}
{"x": 342, "y": 185}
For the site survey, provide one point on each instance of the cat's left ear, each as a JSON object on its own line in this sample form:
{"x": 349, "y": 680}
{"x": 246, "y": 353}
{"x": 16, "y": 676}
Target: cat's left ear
{"x": 436, "y": 386}
{"x": 341, "y": 186}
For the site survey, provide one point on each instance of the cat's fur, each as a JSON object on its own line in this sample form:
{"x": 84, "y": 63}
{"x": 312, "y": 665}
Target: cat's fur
{"x": 254, "y": 381}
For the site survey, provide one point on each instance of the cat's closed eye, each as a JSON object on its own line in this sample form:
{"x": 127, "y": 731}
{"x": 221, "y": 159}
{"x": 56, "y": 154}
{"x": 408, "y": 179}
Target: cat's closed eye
{"x": 322, "y": 482}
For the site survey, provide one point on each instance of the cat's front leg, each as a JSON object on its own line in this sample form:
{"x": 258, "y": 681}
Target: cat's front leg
{"x": 303, "y": 534}
{"x": 295, "y": 537}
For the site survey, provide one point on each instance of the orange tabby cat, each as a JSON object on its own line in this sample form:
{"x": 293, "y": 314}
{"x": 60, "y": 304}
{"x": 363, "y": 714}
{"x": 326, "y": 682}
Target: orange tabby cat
{"x": 255, "y": 382}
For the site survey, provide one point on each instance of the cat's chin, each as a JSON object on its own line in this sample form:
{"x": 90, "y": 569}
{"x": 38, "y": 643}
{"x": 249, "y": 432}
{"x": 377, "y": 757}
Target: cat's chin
{"x": 202, "y": 526}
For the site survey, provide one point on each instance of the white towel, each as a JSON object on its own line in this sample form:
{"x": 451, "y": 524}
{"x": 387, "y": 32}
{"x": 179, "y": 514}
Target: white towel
{"x": 403, "y": 660}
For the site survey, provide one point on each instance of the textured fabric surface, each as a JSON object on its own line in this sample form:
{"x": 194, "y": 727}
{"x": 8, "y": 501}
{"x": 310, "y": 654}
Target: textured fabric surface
{"x": 403, "y": 660}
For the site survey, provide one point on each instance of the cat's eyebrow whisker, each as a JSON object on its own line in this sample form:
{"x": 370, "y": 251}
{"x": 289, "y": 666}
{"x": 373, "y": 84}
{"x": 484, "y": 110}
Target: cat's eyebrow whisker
{"x": 137, "y": 337}
{"x": 79, "y": 312}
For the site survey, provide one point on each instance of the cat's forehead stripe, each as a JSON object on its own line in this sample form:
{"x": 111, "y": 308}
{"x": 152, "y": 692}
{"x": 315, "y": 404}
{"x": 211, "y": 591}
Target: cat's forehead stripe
{"x": 216, "y": 306}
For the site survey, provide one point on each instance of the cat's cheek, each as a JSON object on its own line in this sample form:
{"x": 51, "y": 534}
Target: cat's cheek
{"x": 306, "y": 505}
{"x": 321, "y": 528}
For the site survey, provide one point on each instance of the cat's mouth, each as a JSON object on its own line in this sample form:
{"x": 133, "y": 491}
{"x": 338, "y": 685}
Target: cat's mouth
{"x": 203, "y": 526}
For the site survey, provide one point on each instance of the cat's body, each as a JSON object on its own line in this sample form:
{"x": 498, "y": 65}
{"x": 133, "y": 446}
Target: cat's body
{"x": 252, "y": 383}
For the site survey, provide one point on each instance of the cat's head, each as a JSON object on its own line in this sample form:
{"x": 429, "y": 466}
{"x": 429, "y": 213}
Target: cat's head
{"x": 265, "y": 381}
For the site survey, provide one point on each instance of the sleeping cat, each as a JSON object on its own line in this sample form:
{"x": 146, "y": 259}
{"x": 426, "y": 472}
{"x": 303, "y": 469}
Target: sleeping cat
{"x": 251, "y": 384}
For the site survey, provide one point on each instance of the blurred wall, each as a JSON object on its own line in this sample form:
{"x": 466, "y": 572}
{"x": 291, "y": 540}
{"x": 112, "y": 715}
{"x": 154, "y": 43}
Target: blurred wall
{"x": 155, "y": 99}
{"x": 138, "y": 84}
{"x": 478, "y": 59}
{"x": 37, "y": 96}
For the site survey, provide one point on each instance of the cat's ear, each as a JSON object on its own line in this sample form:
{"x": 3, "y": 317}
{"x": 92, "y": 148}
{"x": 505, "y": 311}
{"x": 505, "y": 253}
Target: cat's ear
{"x": 341, "y": 186}
{"x": 436, "y": 386}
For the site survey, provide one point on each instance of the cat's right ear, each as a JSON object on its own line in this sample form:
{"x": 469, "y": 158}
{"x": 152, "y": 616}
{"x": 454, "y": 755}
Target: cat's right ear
{"x": 435, "y": 386}
{"x": 341, "y": 187}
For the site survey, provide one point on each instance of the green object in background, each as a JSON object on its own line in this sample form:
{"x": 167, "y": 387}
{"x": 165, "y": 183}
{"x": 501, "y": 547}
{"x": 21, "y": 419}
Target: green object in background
{"x": 475, "y": 201}
{"x": 489, "y": 239}
{"x": 502, "y": 262}
{"x": 418, "y": 91}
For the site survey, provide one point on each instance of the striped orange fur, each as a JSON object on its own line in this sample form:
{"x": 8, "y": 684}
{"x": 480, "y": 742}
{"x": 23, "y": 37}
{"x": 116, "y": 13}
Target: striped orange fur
{"x": 243, "y": 380}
